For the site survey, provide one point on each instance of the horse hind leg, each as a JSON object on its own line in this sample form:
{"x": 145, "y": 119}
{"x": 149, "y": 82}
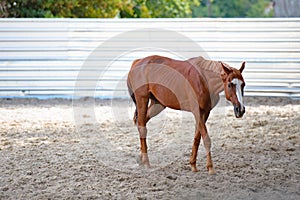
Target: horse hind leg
{"x": 142, "y": 107}
{"x": 132, "y": 95}
{"x": 154, "y": 109}
{"x": 135, "y": 117}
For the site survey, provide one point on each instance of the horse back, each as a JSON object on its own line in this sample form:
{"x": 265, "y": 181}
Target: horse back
{"x": 175, "y": 84}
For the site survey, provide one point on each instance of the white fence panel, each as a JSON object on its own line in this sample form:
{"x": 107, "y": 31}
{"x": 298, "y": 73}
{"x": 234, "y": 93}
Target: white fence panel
{"x": 43, "y": 57}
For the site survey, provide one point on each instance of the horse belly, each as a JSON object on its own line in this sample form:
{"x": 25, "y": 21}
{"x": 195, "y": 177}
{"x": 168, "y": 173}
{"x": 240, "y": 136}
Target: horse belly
{"x": 170, "y": 97}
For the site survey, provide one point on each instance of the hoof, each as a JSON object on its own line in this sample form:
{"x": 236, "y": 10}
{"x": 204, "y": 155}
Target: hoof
{"x": 211, "y": 171}
{"x": 145, "y": 160}
{"x": 194, "y": 169}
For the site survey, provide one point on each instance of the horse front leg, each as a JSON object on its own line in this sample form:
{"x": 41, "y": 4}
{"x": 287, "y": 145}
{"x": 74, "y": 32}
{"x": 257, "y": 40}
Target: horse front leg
{"x": 201, "y": 131}
{"x": 195, "y": 147}
{"x": 207, "y": 145}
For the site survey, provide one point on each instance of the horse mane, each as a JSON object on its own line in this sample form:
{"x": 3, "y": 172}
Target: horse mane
{"x": 206, "y": 65}
{"x": 211, "y": 72}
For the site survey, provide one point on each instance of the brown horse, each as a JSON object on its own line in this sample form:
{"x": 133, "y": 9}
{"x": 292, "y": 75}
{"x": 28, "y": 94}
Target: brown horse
{"x": 192, "y": 85}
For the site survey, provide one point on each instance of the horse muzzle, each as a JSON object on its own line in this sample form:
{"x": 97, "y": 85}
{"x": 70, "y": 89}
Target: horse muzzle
{"x": 238, "y": 111}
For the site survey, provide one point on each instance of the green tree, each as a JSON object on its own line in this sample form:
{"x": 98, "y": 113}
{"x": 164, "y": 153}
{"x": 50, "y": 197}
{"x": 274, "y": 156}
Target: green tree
{"x": 159, "y": 8}
{"x": 24, "y": 8}
{"x": 261, "y": 8}
{"x": 135, "y": 8}
{"x": 62, "y": 8}
{"x": 233, "y": 8}
{"x": 207, "y": 8}
{"x": 97, "y": 8}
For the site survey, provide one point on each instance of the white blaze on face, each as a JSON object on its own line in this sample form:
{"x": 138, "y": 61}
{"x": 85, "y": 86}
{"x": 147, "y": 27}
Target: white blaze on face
{"x": 238, "y": 83}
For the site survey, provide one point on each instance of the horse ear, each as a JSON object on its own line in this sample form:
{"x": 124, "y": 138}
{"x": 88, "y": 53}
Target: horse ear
{"x": 226, "y": 69}
{"x": 242, "y": 67}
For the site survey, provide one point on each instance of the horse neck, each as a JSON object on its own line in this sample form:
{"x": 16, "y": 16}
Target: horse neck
{"x": 215, "y": 85}
{"x": 211, "y": 71}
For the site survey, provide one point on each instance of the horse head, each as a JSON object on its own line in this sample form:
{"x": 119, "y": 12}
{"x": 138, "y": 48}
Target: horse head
{"x": 234, "y": 87}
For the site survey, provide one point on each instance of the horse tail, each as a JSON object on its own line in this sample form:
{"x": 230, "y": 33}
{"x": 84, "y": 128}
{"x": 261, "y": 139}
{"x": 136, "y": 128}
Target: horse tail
{"x": 131, "y": 93}
{"x": 135, "y": 117}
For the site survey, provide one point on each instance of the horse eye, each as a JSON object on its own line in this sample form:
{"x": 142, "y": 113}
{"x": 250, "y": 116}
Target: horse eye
{"x": 229, "y": 85}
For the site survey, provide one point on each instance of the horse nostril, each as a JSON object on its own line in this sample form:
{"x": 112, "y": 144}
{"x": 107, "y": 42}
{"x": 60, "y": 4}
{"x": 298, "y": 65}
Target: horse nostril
{"x": 237, "y": 109}
{"x": 244, "y": 110}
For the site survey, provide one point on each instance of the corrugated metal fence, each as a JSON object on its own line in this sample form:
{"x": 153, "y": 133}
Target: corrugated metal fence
{"x": 57, "y": 57}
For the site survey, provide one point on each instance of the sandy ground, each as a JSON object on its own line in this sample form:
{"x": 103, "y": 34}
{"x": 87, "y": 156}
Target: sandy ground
{"x": 53, "y": 149}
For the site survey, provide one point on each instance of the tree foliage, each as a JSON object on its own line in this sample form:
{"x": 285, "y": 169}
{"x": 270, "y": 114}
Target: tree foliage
{"x": 234, "y": 8}
{"x": 134, "y": 8}
{"x": 159, "y": 8}
{"x": 62, "y": 8}
{"x": 97, "y": 8}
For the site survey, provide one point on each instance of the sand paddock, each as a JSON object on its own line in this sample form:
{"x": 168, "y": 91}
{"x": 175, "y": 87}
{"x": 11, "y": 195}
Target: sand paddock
{"x": 47, "y": 153}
